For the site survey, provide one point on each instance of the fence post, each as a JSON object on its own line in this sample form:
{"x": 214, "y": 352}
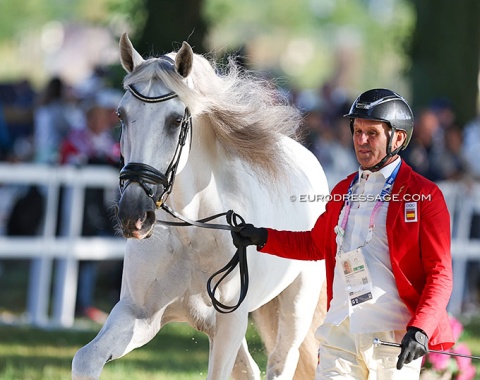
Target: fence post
{"x": 38, "y": 298}
{"x": 67, "y": 272}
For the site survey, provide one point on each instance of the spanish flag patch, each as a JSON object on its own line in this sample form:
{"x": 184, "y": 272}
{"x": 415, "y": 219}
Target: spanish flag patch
{"x": 411, "y": 212}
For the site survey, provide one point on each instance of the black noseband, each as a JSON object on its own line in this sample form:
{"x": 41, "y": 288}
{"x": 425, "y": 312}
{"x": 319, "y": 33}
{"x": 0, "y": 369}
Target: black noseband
{"x": 143, "y": 174}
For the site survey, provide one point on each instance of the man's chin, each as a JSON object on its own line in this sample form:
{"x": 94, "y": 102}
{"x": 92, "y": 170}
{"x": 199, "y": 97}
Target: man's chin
{"x": 365, "y": 164}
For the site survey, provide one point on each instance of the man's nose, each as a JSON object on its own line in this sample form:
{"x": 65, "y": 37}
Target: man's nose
{"x": 362, "y": 138}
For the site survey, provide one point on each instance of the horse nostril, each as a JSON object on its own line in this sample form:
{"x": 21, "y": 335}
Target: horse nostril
{"x": 150, "y": 218}
{"x": 146, "y": 220}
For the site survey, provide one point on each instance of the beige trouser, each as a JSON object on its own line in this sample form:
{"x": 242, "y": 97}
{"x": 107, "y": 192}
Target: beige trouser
{"x": 343, "y": 355}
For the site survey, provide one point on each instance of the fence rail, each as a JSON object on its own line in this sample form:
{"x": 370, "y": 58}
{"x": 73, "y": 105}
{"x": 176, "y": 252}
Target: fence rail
{"x": 462, "y": 200}
{"x": 66, "y": 249}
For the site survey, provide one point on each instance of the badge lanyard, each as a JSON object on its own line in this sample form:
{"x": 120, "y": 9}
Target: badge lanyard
{"x": 387, "y": 188}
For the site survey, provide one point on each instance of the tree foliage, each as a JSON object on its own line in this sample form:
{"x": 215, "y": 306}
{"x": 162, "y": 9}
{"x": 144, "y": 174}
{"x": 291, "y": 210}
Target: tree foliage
{"x": 171, "y": 22}
{"x": 18, "y": 17}
{"x": 310, "y": 40}
{"x": 358, "y": 43}
{"x": 445, "y": 52}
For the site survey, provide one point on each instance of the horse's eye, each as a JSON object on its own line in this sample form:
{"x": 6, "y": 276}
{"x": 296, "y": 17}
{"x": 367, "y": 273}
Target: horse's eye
{"x": 176, "y": 123}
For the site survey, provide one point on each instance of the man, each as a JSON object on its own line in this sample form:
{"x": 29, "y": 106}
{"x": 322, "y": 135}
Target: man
{"x": 394, "y": 227}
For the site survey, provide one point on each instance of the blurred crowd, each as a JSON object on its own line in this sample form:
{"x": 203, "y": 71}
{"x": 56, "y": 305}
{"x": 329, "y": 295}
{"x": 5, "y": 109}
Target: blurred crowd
{"x": 440, "y": 149}
{"x": 60, "y": 125}
{"x": 75, "y": 125}
{"x": 36, "y": 126}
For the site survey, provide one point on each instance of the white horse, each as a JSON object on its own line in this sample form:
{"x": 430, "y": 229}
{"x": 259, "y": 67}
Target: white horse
{"x": 236, "y": 156}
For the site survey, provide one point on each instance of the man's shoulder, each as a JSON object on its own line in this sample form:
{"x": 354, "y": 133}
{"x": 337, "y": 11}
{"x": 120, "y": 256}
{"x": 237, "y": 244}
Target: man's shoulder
{"x": 415, "y": 180}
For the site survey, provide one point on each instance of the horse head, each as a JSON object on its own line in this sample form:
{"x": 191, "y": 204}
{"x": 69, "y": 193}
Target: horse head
{"x": 155, "y": 125}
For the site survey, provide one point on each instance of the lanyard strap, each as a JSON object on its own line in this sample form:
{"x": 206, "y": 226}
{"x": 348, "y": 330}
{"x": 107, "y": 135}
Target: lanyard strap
{"x": 386, "y": 190}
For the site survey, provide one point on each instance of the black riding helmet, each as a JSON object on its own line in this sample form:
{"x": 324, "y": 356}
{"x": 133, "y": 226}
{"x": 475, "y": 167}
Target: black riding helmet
{"x": 386, "y": 106}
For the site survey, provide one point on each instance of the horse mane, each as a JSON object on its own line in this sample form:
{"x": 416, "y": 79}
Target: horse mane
{"x": 248, "y": 115}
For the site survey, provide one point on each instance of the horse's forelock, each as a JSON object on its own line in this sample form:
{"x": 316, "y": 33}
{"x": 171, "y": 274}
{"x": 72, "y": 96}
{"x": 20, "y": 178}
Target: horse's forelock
{"x": 151, "y": 69}
{"x": 163, "y": 71}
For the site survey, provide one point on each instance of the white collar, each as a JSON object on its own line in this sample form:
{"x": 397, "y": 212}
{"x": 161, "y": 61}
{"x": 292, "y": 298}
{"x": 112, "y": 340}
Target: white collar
{"x": 386, "y": 171}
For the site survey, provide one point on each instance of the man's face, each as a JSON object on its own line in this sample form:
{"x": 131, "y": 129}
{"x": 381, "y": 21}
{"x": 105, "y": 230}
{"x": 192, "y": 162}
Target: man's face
{"x": 370, "y": 139}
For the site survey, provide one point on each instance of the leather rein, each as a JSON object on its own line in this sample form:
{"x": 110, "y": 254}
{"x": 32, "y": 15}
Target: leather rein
{"x": 146, "y": 175}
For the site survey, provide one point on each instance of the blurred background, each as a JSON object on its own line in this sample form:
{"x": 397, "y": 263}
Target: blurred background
{"x": 60, "y": 81}
{"x": 423, "y": 49}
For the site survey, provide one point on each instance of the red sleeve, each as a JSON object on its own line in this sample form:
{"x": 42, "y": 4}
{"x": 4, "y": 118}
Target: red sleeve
{"x": 434, "y": 240}
{"x": 317, "y": 243}
{"x": 299, "y": 245}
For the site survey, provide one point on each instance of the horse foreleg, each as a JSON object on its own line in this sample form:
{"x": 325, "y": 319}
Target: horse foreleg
{"x": 266, "y": 323}
{"x": 296, "y": 305}
{"x": 245, "y": 367}
{"x": 225, "y": 344}
{"x": 123, "y": 331}
{"x": 308, "y": 361}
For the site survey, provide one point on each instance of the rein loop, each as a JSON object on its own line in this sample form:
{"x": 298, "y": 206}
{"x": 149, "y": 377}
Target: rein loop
{"x": 235, "y": 223}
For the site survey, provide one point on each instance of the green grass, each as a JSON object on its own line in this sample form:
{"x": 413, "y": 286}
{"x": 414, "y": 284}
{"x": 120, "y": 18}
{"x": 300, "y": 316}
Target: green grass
{"x": 177, "y": 352}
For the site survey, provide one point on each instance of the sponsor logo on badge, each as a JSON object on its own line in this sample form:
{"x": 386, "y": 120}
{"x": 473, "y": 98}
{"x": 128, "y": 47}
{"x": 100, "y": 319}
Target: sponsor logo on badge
{"x": 411, "y": 212}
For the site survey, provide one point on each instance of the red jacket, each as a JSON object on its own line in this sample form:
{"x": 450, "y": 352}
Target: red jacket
{"x": 419, "y": 251}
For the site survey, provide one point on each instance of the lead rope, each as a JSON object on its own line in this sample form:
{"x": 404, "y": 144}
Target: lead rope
{"x": 235, "y": 223}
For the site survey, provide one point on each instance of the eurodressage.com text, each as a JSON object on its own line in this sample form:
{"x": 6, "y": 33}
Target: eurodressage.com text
{"x": 361, "y": 197}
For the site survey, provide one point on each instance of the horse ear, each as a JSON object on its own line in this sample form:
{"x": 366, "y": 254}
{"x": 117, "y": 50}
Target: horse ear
{"x": 129, "y": 57}
{"x": 184, "y": 60}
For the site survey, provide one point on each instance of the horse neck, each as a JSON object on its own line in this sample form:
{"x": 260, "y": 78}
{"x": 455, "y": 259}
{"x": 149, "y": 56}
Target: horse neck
{"x": 197, "y": 185}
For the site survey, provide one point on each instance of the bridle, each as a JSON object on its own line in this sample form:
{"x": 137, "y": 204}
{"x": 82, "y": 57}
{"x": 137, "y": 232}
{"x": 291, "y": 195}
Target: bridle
{"x": 146, "y": 175}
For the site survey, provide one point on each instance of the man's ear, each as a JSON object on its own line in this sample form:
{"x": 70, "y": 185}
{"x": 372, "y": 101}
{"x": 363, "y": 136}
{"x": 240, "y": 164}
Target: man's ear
{"x": 399, "y": 138}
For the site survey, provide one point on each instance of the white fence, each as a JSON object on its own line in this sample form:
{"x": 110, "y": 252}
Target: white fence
{"x": 463, "y": 200}
{"x": 69, "y": 248}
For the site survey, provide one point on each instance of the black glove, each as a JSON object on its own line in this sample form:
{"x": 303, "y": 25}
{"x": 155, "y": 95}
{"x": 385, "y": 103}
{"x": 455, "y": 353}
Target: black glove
{"x": 249, "y": 235}
{"x": 414, "y": 345}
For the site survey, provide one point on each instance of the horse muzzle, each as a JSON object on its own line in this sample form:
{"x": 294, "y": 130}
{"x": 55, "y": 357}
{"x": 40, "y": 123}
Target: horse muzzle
{"x": 136, "y": 214}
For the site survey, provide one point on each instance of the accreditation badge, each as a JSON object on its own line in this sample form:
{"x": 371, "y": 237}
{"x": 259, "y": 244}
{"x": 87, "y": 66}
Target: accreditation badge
{"x": 357, "y": 277}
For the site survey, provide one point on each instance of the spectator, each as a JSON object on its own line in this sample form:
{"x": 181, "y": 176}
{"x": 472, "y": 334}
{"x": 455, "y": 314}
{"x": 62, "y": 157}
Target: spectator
{"x": 333, "y": 148}
{"x": 471, "y": 146}
{"x": 451, "y": 163}
{"x": 423, "y": 150}
{"x": 470, "y": 153}
{"x": 443, "y": 109}
{"x": 329, "y": 140}
{"x": 5, "y": 141}
{"x": 51, "y": 122}
{"x": 93, "y": 145}
{"x": 16, "y": 135}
